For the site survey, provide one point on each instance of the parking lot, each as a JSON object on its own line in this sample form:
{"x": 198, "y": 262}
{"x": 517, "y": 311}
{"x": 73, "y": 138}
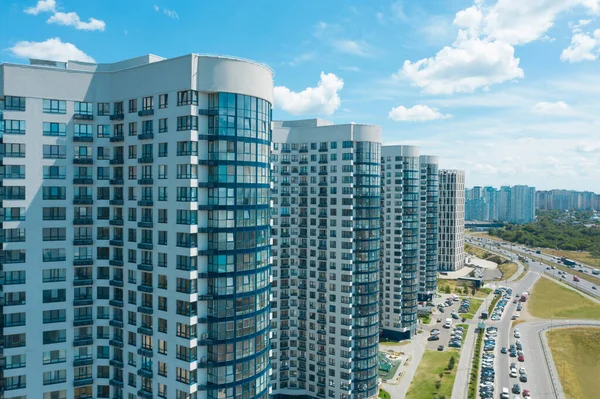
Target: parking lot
{"x": 439, "y": 320}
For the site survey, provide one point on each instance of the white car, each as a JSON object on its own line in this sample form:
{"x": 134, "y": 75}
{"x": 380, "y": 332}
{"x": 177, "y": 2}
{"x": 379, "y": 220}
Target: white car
{"x": 522, "y": 370}
{"x": 513, "y": 373}
{"x": 517, "y": 335}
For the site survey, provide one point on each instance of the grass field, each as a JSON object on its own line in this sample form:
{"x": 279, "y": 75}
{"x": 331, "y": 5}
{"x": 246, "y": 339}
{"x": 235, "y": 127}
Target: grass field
{"x": 551, "y": 300}
{"x": 384, "y": 394}
{"x": 457, "y": 288}
{"x": 423, "y": 385}
{"x": 575, "y": 353}
{"x": 473, "y": 250}
{"x": 475, "y": 304}
{"x": 508, "y": 270}
{"x": 584, "y": 257}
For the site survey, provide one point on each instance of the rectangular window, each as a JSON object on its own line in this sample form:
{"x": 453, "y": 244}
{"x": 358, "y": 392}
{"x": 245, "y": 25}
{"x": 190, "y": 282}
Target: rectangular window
{"x": 84, "y": 108}
{"x": 54, "y": 275}
{"x": 12, "y": 150}
{"x": 133, "y": 105}
{"x": 80, "y": 130}
{"x": 147, "y": 127}
{"x": 103, "y": 109}
{"x": 54, "y": 295}
{"x": 55, "y": 107}
{"x": 54, "y": 151}
{"x": 12, "y": 214}
{"x": 54, "y": 193}
{"x": 55, "y": 172}
{"x": 12, "y": 171}
{"x": 54, "y": 234}
{"x": 162, "y": 171}
{"x": 55, "y": 213}
{"x": 162, "y": 149}
{"x": 163, "y": 101}
{"x": 54, "y": 316}
{"x": 119, "y": 110}
{"x": 133, "y": 128}
{"x": 148, "y": 103}
{"x": 54, "y": 129}
{"x": 187, "y": 148}
{"x": 12, "y": 103}
{"x": 187, "y": 97}
{"x": 12, "y": 193}
{"x": 103, "y": 131}
{"x": 12, "y": 235}
{"x": 162, "y": 125}
{"x": 14, "y": 127}
{"x": 187, "y": 122}
{"x": 54, "y": 255}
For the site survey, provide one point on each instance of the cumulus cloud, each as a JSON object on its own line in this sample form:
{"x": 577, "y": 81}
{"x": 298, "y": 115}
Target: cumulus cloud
{"x": 417, "y": 113}
{"x": 323, "y": 99}
{"x": 167, "y": 12}
{"x": 72, "y": 19}
{"x": 483, "y": 52}
{"x": 42, "y": 6}
{"x": 52, "y": 49}
{"x": 583, "y": 47}
{"x": 546, "y": 108}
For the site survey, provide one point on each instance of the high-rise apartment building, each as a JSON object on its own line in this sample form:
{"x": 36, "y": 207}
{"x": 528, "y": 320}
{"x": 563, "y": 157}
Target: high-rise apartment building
{"x": 400, "y": 249}
{"x": 509, "y": 204}
{"x": 451, "y": 248}
{"x": 567, "y": 200}
{"x": 135, "y": 257}
{"x": 326, "y": 237}
{"x": 522, "y": 205}
{"x": 428, "y": 269}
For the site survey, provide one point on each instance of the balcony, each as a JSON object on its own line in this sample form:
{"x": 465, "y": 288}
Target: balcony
{"x": 145, "y": 202}
{"x": 117, "y": 243}
{"x": 208, "y": 112}
{"x": 83, "y": 241}
{"x": 117, "y": 117}
{"x": 83, "y": 341}
{"x": 146, "y": 224}
{"x": 146, "y": 159}
{"x": 115, "y": 262}
{"x": 83, "y": 117}
{"x": 83, "y": 281}
{"x": 116, "y": 363}
{"x": 145, "y": 309}
{"x": 145, "y": 330}
{"x": 117, "y": 202}
{"x": 145, "y": 288}
{"x": 83, "y": 161}
{"x": 83, "y": 201}
{"x": 146, "y": 136}
{"x": 86, "y": 361}
{"x": 83, "y": 322}
{"x": 147, "y": 267}
{"x": 144, "y": 372}
{"x": 116, "y": 161}
{"x": 118, "y": 342}
{"x": 83, "y": 381}
{"x": 116, "y": 302}
{"x": 83, "y": 302}
{"x": 116, "y": 283}
{"x": 115, "y": 383}
{"x": 116, "y": 222}
{"x": 83, "y": 139}
{"x": 145, "y": 245}
{"x": 83, "y": 262}
{"x": 116, "y": 323}
{"x": 116, "y": 139}
{"x": 83, "y": 221}
{"x": 118, "y": 181}
{"x": 143, "y": 393}
{"x": 83, "y": 180}
{"x": 147, "y": 180}
{"x": 145, "y": 352}
{"x": 146, "y": 112}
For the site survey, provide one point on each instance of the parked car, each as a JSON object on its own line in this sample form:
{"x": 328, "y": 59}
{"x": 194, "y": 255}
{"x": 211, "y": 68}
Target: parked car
{"x": 441, "y": 347}
{"x": 433, "y": 338}
{"x": 503, "y": 350}
{"x": 516, "y": 388}
{"x": 521, "y": 358}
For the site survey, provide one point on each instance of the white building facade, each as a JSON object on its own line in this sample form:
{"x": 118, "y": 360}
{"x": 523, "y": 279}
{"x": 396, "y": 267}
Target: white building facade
{"x": 135, "y": 229}
{"x": 326, "y": 215}
{"x": 451, "y": 247}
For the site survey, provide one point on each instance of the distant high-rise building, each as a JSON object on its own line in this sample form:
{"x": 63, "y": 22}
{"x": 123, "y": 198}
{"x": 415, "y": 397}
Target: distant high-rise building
{"x": 326, "y": 238}
{"x": 522, "y": 205}
{"x": 451, "y": 248}
{"x": 509, "y": 204}
{"x": 567, "y": 200}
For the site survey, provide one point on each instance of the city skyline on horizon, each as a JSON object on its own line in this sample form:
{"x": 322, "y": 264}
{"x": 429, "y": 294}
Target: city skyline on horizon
{"x": 506, "y": 98}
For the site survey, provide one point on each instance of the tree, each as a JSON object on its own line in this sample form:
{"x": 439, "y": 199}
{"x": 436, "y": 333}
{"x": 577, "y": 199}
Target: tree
{"x": 438, "y": 384}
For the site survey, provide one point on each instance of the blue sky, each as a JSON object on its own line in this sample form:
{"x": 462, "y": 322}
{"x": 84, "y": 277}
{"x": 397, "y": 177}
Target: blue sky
{"x": 508, "y": 90}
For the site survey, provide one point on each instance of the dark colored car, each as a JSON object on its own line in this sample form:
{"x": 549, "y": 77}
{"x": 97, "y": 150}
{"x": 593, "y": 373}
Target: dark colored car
{"x": 516, "y": 388}
{"x": 441, "y": 347}
{"x": 503, "y": 350}
{"x": 433, "y": 338}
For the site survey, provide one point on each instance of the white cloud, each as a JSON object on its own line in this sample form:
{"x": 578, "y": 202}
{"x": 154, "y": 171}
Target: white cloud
{"x": 72, "y": 19}
{"x": 42, "y": 6}
{"x": 418, "y": 113}
{"x": 350, "y": 68}
{"x": 52, "y": 49}
{"x": 156, "y": 8}
{"x": 483, "y": 52}
{"x": 353, "y": 47}
{"x": 323, "y": 99}
{"x": 302, "y": 58}
{"x": 170, "y": 13}
{"x": 464, "y": 67}
{"x": 583, "y": 47}
{"x": 546, "y": 108}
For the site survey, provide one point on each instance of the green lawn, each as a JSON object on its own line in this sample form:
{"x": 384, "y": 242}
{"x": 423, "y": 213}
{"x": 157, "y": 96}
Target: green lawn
{"x": 508, "y": 269}
{"x": 551, "y": 300}
{"x": 475, "y": 304}
{"x": 384, "y": 394}
{"x": 423, "y": 385}
{"x": 576, "y": 354}
{"x": 578, "y": 256}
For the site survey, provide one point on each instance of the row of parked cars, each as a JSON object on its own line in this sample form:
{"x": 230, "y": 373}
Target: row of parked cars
{"x": 488, "y": 373}
{"x": 506, "y": 295}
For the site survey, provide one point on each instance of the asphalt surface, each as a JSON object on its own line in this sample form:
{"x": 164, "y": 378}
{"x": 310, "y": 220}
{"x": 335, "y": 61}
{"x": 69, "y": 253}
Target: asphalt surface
{"x": 444, "y": 332}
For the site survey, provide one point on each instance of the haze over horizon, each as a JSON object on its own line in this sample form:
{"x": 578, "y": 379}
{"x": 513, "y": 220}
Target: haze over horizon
{"x": 506, "y": 90}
